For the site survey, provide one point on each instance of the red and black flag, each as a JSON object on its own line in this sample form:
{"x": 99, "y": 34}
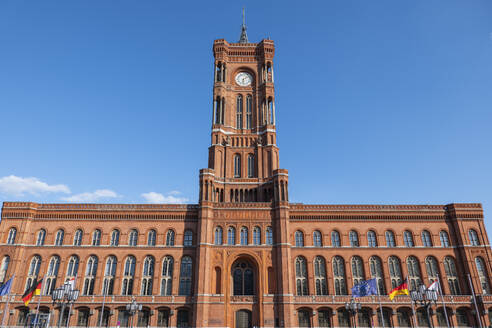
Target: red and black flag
{"x": 34, "y": 289}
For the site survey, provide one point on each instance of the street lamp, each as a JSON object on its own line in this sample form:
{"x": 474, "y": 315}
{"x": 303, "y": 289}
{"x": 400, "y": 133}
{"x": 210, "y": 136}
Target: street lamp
{"x": 425, "y": 297}
{"x": 353, "y": 307}
{"x": 132, "y": 308}
{"x": 64, "y": 295}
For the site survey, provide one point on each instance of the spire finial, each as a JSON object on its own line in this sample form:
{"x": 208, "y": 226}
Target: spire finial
{"x": 244, "y": 37}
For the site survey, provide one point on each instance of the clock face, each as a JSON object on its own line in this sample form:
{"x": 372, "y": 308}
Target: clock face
{"x": 244, "y": 79}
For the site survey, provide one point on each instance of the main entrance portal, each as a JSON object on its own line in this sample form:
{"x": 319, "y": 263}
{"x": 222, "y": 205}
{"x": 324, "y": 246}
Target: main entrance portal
{"x": 243, "y": 319}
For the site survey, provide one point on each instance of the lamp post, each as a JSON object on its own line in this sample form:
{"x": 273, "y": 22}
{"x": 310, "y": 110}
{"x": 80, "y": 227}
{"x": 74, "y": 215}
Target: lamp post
{"x": 64, "y": 295}
{"x": 132, "y": 308}
{"x": 353, "y": 307}
{"x": 425, "y": 297}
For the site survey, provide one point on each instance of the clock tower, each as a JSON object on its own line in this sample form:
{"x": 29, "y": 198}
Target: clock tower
{"x": 243, "y": 156}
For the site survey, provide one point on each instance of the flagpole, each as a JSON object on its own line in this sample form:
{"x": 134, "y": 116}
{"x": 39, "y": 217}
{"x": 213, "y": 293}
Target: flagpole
{"x": 39, "y": 301}
{"x": 6, "y": 308}
{"x": 443, "y": 303}
{"x": 413, "y": 308}
{"x": 71, "y": 303}
{"x": 474, "y": 301}
{"x": 380, "y": 305}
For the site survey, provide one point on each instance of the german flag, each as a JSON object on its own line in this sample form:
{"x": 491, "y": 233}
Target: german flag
{"x": 34, "y": 289}
{"x": 399, "y": 290}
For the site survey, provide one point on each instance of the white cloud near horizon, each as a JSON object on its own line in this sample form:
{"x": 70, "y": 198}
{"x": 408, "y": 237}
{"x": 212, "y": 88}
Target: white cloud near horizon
{"x": 169, "y": 198}
{"x": 91, "y": 196}
{"x": 19, "y": 186}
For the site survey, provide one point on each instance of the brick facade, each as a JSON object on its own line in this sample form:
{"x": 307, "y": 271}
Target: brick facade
{"x": 254, "y": 255}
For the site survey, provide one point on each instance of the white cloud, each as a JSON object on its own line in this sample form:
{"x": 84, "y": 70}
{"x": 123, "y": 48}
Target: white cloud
{"x": 19, "y": 186}
{"x": 91, "y": 196}
{"x": 169, "y": 198}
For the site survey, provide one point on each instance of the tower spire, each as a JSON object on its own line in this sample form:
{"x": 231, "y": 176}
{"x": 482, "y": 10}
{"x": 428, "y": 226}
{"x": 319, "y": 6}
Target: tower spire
{"x": 244, "y": 36}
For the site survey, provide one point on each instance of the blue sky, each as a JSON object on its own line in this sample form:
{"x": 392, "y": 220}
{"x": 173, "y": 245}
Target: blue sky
{"x": 381, "y": 102}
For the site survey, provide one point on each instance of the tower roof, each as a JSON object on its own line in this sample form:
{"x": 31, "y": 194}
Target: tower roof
{"x": 244, "y": 36}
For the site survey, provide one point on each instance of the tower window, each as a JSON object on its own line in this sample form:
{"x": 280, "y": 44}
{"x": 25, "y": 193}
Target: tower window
{"x": 237, "y": 166}
{"x": 269, "y": 236}
{"x": 244, "y": 236}
{"x": 256, "y": 236}
{"x": 231, "y": 236}
{"x": 239, "y": 112}
{"x": 248, "y": 111}
{"x": 251, "y": 166}
{"x": 218, "y": 236}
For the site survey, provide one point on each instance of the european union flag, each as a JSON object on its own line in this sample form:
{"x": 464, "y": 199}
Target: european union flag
{"x": 5, "y": 288}
{"x": 365, "y": 288}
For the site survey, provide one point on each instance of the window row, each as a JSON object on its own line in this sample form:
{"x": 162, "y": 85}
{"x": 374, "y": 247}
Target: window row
{"x": 243, "y": 236}
{"x": 128, "y": 268}
{"x": 414, "y": 276}
{"x": 132, "y": 240}
{"x": 372, "y": 239}
{"x": 368, "y": 317}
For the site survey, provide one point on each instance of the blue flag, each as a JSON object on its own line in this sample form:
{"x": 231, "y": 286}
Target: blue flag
{"x": 365, "y": 288}
{"x": 5, "y": 288}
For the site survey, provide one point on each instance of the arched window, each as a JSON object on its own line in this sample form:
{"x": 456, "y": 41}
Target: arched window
{"x": 244, "y": 236}
{"x": 11, "y": 236}
{"x": 249, "y": 103}
{"x": 335, "y": 239}
{"x": 109, "y": 275}
{"x": 414, "y": 277}
{"x": 148, "y": 275}
{"x": 231, "y": 236}
{"x": 41, "y": 237}
{"x": 339, "y": 276}
{"x": 408, "y": 238}
{"x": 251, "y": 166}
{"x": 239, "y": 112}
{"x": 271, "y": 112}
{"x": 376, "y": 268}
{"x": 151, "y": 237}
{"x": 185, "y": 275}
{"x": 472, "y": 234}
{"x": 217, "y": 115}
{"x": 483, "y": 275}
{"x": 371, "y": 239}
{"x": 320, "y": 276}
{"x": 426, "y": 239}
{"x": 452, "y": 275}
{"x": 357, "y": 270}
{"x": 128, "y": 276}
{"x": 299, "y": 236}
{"x": 115, "y": 238}
{"x": 317, "y": 239}
{"x": 33, "y": 272}
{"x": 243, "y": 278}
{"x": 51, "y": 275}
{"x": 256, "y": 236}
{"x": 218, "y": 236}
{"x": 133, "y": 238}
{"x": 301, "y": 276}
{"x": 237, "y": 166}
{"x": 167, "y": 276}
{"x": 269, "y": 236}
{"x": 72, "y": 267}
{"x": 4, "y": 268}
{"x": 444, "y": 237}
{"x": 188, "y": 238}
{"x": 432, "y": 268}
{"x": 394, "y": 271}
{"x": 77, "y": 238}
{"x": 90, "y": 275}
{"x": 390, "y": 238}
{"x": 59, "y": 237}
{"x": 96, "y": 237}
{"x": 354, "y": 238}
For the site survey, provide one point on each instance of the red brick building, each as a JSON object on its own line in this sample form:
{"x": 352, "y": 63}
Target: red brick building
{"x": 244, "y": 255}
